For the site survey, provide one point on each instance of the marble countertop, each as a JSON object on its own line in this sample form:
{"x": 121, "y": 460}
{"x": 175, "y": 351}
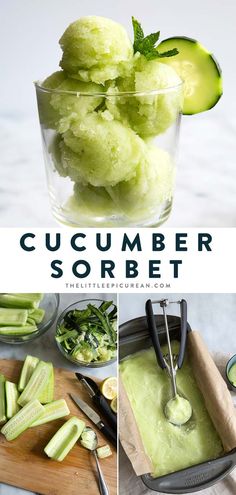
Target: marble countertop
{"x": 206, "y": 179}
{"x": 45, "y": 348}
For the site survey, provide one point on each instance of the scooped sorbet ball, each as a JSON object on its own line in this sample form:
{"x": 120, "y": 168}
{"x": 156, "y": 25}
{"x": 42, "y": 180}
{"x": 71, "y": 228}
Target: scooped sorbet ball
{"x": 91, "y": 201}
{"x": 76, "y": 105}
{"x": 152, "y": 185}
{"x": 54, "y": 80}
{"x": 47, "y": 115}
{"x": 69, "y": 101}
{"x": 178, "y": 410}
{"x": 152, "y": 114}
{"x": 105, "y": 152}
{"x": 65, "y": 161}
{"x": 95, "y": 49}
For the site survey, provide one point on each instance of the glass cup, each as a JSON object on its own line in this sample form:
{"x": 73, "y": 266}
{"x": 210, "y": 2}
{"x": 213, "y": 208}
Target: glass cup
{"x": 110, "y": 157}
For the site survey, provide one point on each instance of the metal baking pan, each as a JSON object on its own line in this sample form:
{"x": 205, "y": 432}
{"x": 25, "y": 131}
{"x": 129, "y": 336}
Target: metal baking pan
{"x": 134, "y": 337}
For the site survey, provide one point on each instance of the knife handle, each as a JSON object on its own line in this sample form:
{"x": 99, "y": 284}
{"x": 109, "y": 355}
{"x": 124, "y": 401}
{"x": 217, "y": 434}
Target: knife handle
{"x": 109, "y": 433}
{"x": 105, "y": 409}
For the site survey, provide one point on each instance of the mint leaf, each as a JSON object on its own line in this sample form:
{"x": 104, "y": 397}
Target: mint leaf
{"x": 138, "y": 34}
{"x": 152, "y": 38}
{"x": 151, "y": 55}
{"x": 146, "y": 45}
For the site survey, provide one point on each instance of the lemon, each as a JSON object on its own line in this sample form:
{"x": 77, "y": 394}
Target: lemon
{"x": 109, "y": 387}
{"x": 114, "y": 405}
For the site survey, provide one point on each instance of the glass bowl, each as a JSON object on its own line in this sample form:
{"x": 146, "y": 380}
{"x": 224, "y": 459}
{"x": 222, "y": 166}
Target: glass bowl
{"x": 82, "y": 305}
{"x": 229, "y": 365}
{"x": 50, "y": 304}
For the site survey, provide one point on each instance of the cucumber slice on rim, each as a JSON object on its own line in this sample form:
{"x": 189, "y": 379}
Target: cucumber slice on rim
{"x": 199, "y": 70}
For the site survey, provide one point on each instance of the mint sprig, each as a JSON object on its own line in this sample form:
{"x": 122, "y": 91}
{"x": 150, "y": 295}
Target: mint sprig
{"x": 147, "y": 45}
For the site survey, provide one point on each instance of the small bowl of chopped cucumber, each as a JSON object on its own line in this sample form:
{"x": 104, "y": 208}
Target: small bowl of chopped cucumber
{"x": 86, "y": 333}
{"x": 26, "y": 316}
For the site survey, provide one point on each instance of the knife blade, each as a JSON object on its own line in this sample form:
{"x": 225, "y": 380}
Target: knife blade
{"x": 96, "y": 419}
{"x": 98, "y": 399}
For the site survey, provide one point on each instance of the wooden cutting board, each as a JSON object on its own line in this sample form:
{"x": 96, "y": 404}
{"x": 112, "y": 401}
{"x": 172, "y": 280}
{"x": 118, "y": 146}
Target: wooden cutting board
{"x": 24, "y": 464}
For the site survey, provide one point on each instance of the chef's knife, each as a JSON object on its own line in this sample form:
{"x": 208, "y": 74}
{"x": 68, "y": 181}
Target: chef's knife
{"x": 98, "y": 399}
{"x": 95, "y": 418}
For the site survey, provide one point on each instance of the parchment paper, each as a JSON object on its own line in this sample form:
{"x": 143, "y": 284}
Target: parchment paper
{"x": 214, "y": 390}
{"x": 217, "y": 399}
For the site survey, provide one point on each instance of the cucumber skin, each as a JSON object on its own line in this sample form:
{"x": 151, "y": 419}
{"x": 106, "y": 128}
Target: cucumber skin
{"x": 218, "y": 68}
{"x": 37, "y": 315}
{"x": 63, "y": 445}
{"x": 47, "y": 394}
{"x": 47, "y": 417}
{"x": 3, "y": 417}
{"x": 22, "y": 424}
{"x": 20, "y": 300}
{"x": 23, "y": 330}
{"x": 10, "y": 317}
{"x": 28, "y": 368}
{"x": 213, "y": 59}
{"x": 12, "y": 396}
{"x": 41, "y": 368}
{"x": 196, "y": 42}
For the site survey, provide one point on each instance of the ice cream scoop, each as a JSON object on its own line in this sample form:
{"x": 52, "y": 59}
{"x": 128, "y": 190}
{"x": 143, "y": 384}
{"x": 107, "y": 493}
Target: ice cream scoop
{"x": 95, "y": 49}
{"x": 178, "y": 409}
{"x": 89, "y": 440}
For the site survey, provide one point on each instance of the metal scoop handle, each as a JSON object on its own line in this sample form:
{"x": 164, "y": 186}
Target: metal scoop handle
{"x": 183, "y": 329}
{"x": 151, "y": 321}
{"x": 154, "y": 333}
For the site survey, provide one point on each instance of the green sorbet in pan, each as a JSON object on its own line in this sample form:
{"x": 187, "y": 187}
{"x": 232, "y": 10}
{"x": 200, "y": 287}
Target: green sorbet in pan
{"x": 169, "y": 447}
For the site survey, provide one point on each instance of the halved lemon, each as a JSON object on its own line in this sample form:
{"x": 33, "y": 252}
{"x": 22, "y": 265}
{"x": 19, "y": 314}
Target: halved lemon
{"x": 114, "y": 405}
{"x": 109, "y": 387}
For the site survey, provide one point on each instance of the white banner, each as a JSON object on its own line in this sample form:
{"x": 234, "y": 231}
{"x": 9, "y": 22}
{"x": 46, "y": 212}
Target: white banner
{"x": 117, "y": 260}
